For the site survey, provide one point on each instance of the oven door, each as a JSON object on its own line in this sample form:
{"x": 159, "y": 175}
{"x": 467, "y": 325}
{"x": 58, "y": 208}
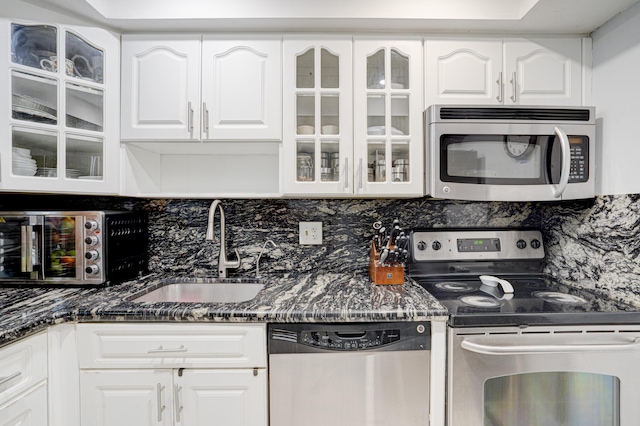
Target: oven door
{"x": 543, "y": 376}
{"x": 511, "y": 162}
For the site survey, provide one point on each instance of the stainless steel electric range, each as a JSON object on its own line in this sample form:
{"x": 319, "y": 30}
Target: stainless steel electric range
{"x": 523, "y": 348}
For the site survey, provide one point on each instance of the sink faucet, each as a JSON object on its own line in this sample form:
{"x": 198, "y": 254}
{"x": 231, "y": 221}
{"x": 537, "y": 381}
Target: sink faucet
{"x": 223, "y": 262}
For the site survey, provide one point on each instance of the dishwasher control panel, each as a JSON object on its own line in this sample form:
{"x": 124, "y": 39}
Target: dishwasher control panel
{"x": 349, "y": 340}
{"x": 370, "y": 337}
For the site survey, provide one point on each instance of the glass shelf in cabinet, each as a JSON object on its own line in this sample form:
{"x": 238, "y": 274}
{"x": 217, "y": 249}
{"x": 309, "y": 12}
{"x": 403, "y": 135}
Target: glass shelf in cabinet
{"x": 33, "y": 44}
{"x": 85, "y": 107}
{"x": 34, "y": 98}
{"x": 35, "y": 152}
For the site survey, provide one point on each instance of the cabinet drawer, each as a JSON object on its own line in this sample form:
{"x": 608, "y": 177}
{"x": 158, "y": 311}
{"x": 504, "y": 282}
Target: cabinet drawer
{"x": 172, "y": 345}
{"x": 29, "y": 409}
{"x": 22, "y": 365}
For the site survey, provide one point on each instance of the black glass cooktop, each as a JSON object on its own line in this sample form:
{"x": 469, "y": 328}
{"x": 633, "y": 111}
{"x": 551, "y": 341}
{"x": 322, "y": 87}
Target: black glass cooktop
{"x": 535, "y": 300}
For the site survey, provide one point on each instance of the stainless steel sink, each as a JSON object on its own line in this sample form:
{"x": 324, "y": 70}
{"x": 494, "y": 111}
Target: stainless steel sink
{"x": 203, "y": 290}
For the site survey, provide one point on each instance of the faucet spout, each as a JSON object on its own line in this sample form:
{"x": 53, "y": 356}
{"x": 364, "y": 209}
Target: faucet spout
{"x": 223, "y": 262}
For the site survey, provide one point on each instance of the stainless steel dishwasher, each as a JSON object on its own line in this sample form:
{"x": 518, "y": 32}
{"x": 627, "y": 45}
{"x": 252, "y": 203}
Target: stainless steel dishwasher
{"x": 349, "y": 374}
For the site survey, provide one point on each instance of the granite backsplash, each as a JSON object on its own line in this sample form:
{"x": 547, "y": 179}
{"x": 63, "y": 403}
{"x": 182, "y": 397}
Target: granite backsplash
{"x": 592, "y": 243}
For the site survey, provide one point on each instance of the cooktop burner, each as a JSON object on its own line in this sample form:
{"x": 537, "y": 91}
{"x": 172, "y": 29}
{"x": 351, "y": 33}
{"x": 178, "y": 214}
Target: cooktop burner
{"x": 514, "y": 291}
{"x": 560, "y": 298}
{"x": 478, "y": 301}
{"x": 456, "y": 286}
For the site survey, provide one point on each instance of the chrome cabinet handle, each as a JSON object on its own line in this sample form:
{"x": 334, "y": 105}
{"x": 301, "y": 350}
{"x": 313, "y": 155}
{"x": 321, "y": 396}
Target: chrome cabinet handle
{"x": 566, "y": 162}
{"x": 190, "y": 108}
{"x": 4, "y": 380}
{"x": 479, "y": 348}
{"x": 205, "y": 118}
{"x": 360, "y": 173}
{"x": 500, "y": 88}
{"x": 346, "y": 173}
{"x": 161, "y": 406}
{"x": 514, "y": 83}
{"x": 176, "y": 398}
{"x": 26, "y": 254}
{"x": 160, "y": 349}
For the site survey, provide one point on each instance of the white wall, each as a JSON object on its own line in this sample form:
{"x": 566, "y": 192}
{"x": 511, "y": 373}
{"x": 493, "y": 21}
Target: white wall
{"x": 616, "y": 96}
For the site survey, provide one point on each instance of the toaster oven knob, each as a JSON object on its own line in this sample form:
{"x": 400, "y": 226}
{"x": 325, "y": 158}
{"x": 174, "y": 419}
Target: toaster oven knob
{"x": 92, "y": 269}
{"x": 521, "y": 244}
{"x": 91, "y": 254}
{"x": 91, "y": 240}
{"x": 91, "y": 225}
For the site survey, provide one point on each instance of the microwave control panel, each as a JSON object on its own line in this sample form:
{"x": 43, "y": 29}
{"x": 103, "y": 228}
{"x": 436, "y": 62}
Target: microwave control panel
{"x": 579, "y": 170}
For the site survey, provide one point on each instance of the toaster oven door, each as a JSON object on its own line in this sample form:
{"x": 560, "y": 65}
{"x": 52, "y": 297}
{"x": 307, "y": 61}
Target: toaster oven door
{"x": 20, "y": 247}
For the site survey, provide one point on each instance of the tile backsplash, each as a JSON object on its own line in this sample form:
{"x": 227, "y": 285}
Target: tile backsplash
{"x": 592, "y": 243}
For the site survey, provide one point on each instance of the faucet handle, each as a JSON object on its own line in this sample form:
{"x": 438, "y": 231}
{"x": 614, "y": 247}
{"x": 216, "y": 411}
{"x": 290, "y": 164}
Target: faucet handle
{"x": 234, "y": 263}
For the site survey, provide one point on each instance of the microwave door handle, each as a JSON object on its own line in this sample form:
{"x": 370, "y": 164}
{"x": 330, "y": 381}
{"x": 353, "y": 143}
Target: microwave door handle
{"x": 539, "y": 349}
{"x": 566, "y": 162}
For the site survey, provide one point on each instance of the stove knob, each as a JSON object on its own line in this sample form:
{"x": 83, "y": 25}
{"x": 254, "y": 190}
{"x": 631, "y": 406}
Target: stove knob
{"x": 422, "y": 246}
{"x": 535, "y": 243}
{"x": 436, "y": 245}
{"x": 521, "y": 244}
{"x": 92, "y": 269}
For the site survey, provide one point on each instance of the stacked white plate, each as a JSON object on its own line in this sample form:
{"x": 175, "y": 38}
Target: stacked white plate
{"x": 23, "y": 164}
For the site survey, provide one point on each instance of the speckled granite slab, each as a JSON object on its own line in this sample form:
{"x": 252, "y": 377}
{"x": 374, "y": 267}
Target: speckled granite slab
{"x": 305, "y": 298}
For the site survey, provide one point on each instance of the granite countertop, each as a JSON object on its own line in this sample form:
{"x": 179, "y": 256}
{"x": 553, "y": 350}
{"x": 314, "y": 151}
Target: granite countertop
{"x": 301, "y": 298}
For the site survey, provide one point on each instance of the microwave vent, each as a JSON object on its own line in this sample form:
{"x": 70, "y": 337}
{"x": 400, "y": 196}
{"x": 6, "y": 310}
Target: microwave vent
{"x": 542, "y": 114}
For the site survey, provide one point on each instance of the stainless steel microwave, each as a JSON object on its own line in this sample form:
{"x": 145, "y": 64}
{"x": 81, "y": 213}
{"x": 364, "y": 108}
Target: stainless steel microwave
{"x": 510, "y": 153}
{"x": 72, "y": 247}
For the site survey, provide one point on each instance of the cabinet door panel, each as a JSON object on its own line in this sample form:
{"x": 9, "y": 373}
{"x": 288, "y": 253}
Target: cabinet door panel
{"x": 242, "y": 89}
{"x": 29, "y": 409}
{"x": 160, "y": 88}
{"x": 126, "y": 398}
{"x": 547, "y": 71}
{"x": 463, "y": 71}
{"x": 231, "y": 397}
{"x": 318, "y": 116}
{"x": 388, "y": 136}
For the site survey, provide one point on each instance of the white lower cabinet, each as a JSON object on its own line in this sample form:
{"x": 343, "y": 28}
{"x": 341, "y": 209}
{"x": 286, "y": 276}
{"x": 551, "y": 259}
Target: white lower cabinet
{"x": 173, "y": 374}
{"x": 23, "y": 382}
{"x": 29, "y": 409}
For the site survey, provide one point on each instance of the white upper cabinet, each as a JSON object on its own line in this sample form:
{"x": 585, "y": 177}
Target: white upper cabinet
{"x": 318, "y": 116}
{"x": 160, "y": 87}
{"x": 182, "y": 88}
{"x": 543, "y": 72}
{"x": 464, "y": 71}
{"x": 61, "y": 109}
{"x": 389, "y": 143}
{"x": 242, "y": 89}
{"x": 504, "y": 72}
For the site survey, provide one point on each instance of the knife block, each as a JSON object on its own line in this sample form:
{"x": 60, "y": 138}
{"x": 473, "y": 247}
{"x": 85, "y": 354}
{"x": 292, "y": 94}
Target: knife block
{"x": 384, "y": 275}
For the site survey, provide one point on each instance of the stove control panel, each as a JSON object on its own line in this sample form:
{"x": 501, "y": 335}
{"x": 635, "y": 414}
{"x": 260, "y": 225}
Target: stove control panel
{"x": 452, "y": 245}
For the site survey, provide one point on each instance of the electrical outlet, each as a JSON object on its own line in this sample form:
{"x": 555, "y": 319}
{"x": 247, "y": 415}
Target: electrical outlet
{"x": 310, "y": 233}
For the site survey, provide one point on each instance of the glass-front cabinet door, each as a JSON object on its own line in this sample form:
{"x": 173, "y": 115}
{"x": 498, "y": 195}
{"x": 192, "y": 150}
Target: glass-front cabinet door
{"x": 388, "y": 133}
{"x": 64, "y": 107}
{"x": 318, "y": 132}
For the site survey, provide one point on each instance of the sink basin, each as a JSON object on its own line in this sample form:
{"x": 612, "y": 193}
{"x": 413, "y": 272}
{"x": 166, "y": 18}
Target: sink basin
{"x": 203, "y": 290}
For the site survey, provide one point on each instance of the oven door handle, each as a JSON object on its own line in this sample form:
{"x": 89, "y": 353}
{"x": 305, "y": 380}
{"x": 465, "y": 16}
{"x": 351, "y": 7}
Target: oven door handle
{"x": 566, "y": 162}
{"x": 537, "y": 349}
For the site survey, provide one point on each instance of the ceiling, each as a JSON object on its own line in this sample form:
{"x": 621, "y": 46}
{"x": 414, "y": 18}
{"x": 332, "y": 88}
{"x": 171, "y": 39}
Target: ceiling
{"x": 405, "y": 16}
